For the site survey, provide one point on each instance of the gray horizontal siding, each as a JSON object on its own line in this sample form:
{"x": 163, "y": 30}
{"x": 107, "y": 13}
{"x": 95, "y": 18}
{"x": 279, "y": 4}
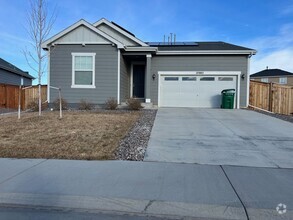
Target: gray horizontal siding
{"x": 106, "y": 63}
{"x": 124, "y": 79}
{"x": 7, "y": 77}
{"x": 27, "y": 82}
{"x": 199, "y": 63}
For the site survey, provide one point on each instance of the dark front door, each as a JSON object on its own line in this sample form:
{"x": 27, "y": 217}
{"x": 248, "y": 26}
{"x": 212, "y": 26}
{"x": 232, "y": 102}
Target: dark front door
{"x": 138, "y": 81}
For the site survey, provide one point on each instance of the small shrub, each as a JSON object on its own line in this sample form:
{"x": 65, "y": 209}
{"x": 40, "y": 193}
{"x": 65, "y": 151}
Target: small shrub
{"x": 111, "y": 104}
{"x": 133, "y": 104}
{"x": 34, "y": 105}
{"x": 56, "y": 104}
{"x": 84, "y": 105}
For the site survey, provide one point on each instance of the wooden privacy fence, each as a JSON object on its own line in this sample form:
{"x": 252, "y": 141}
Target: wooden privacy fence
{"x": 271, "y": 97}
{"x": 9, "y": 95}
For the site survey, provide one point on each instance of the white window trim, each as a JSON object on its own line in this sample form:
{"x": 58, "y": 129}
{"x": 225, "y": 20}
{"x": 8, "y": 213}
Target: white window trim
{"x": 285, "y": 80}
{"x": 264, "y": 79}
{"x": 93, "y": 86}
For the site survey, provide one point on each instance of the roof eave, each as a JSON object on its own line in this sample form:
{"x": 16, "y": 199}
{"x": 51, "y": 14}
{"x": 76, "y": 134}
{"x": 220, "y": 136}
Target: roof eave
{"x": 17, "y": 72}
{"x": 141, "y": 49}
{"x": 209, "y": 52}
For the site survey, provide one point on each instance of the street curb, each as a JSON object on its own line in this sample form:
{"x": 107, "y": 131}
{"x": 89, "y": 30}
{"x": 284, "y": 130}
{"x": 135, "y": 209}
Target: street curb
{"x": 123, "y": 205}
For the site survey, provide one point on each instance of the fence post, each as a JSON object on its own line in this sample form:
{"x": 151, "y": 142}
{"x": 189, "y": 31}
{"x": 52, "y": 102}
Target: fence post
{"x": 271, "y": 97}
{"x": 19, "y": 101}
{"x": 5, "y": 95}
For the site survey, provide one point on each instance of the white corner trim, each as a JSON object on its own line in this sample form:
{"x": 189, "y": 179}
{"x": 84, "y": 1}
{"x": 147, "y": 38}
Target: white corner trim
{"x": 73, "y": 85}
{"x": 248, "y": 82}
{"x": 118, "y": 78}
{"x": 48, "y": 76}
{"x": 105, "y": 21}
{"x": 238, "y": 91}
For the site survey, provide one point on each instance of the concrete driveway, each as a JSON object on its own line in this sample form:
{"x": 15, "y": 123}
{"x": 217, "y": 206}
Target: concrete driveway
{"x": 220, "y": 137}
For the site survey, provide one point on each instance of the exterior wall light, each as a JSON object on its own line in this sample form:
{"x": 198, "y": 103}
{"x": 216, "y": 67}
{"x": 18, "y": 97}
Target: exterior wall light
{"x": 242, "y": 76}
{"x": 154, "y": 76}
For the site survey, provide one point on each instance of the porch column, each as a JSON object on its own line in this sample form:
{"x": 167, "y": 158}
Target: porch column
{"x": 148, "y": 78}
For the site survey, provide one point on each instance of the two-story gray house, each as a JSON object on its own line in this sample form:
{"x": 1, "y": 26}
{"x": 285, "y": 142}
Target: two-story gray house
{"x": 102, "y": 60}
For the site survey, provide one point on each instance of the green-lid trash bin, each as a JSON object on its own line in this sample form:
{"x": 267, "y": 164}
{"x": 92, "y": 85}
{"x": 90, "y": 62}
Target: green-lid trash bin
{"x": 228, "y": 98}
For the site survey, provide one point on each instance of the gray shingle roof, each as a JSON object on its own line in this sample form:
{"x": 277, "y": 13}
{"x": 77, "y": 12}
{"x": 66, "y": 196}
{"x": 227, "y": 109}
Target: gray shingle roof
{"x": 219, "y": 45}
{"x": 271, "y": 72}
{"x": 11, "y": 68}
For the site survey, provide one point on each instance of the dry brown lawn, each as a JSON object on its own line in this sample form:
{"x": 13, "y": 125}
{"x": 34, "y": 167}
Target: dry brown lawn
{"x": 78, "y": 135}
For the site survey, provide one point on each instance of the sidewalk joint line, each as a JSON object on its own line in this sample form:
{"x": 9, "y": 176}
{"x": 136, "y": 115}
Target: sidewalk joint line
{"x": 4, "y": 181}
{"x": 245, "y": 210}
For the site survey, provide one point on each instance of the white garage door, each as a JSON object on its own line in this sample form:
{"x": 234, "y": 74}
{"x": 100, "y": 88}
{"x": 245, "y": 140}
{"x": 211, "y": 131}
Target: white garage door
{"x": 194, "y": 91}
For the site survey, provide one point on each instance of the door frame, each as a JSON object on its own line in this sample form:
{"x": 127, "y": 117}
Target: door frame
{"x": 201, "y": 73}
{"x": 131, "y": 74}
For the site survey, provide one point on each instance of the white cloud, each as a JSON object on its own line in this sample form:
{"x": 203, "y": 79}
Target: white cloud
{"x": 280, "y": 59}
{"x": 274, "y": 51}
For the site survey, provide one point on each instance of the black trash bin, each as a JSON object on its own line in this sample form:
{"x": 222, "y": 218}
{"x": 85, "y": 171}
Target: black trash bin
{"x": 228, "y": 98}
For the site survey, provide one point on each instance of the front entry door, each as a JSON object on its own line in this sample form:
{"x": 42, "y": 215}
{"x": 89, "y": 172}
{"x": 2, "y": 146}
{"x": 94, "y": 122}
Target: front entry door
{"x": 138, "y": 81}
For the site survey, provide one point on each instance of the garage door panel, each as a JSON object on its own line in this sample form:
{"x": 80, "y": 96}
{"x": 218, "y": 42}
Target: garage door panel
{"x": 194, "y": 91}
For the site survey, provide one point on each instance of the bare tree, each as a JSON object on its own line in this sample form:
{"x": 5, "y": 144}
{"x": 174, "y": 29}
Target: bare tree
{"x": 39, "y": 25}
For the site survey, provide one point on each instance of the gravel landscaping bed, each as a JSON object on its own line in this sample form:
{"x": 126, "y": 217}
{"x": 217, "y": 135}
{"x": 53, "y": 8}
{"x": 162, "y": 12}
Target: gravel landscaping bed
{"x": 134, "y": 145}
{"x": 288, "y": 118}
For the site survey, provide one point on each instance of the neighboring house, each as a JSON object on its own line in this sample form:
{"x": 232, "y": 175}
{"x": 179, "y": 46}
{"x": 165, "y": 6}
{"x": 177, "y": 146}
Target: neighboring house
{"x": 274, "y": 75}
{"x": 102, "y": 60}
{"x": 10, "y": 74}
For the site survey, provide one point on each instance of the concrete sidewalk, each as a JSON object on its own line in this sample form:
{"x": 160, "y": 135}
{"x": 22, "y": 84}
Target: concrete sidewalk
{"x": 147, "y": 188}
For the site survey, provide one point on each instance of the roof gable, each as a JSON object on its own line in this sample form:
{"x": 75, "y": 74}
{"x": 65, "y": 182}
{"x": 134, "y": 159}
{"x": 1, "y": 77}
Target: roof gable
{"x": 82, "y": 34}
{"x": 68, "y": 34}
{"x": 119, "y": 33}
{"x": 271, "y": 72}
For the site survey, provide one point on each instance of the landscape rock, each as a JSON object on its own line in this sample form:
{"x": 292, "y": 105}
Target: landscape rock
{"x": 133, "y": 146}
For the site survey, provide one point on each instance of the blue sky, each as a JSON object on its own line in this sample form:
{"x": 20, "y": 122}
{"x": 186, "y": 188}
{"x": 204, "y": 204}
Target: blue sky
{"x": 265, "y": 25}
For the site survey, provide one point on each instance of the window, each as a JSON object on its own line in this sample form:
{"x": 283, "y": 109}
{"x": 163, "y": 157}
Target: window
{"x": 188, "y": 78}
{"x": 283, "y": 80}
{"x": 170, "y": 78}
{"x": 83, "y": 70}
{"x": 225, "y": 78}
{"x": 207, "y": 79}
{"x": 264, "y": 80}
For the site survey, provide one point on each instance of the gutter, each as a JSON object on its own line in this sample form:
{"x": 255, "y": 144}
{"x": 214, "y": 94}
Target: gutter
{"x": 17, "y": 72}
{"x": 141, "y": 49}
{"x": 208, "y": 52}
